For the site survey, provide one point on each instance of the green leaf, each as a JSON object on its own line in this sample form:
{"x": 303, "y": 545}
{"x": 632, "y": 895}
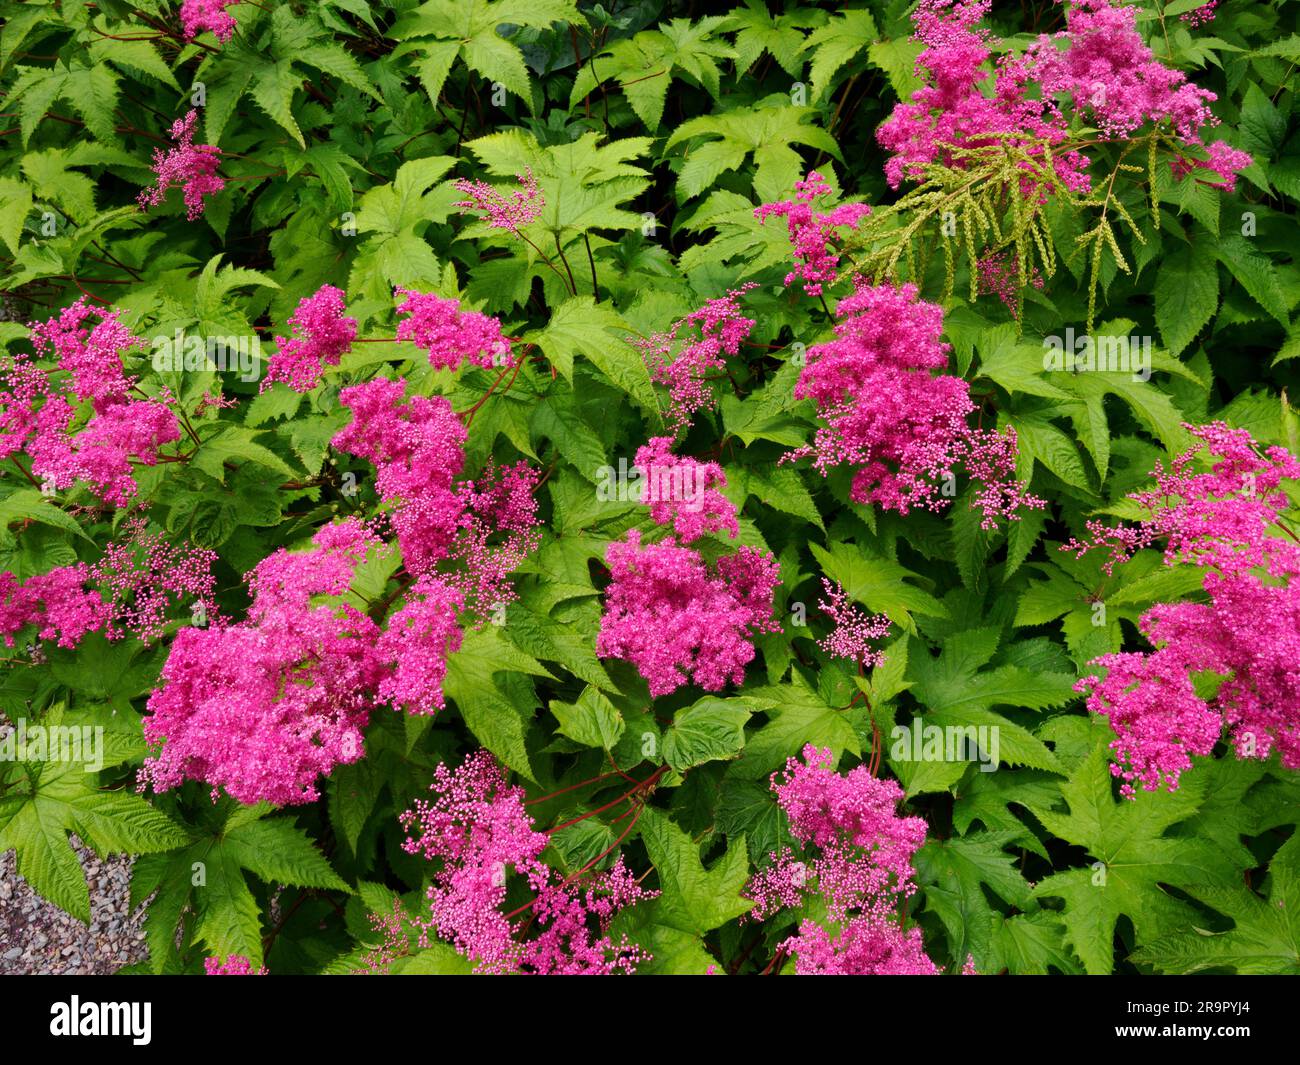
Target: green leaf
{"x": 706, "y": 731}
{"x": 694, "y": 899}
{"x": 1132, "y": 857}
{"x": 1187, "y": 293}
{"x": 592, "y": 721}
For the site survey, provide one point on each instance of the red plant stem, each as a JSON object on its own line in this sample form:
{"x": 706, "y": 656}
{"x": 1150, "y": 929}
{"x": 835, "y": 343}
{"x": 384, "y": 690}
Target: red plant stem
{"x": 571, "y": 787}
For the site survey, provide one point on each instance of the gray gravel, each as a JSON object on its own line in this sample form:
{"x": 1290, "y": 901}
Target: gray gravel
{"x": 36, "y": 937}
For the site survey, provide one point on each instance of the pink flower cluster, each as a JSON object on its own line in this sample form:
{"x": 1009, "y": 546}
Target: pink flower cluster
{"x": 136, "y": 581}
{"x": 857, "y": 861}
{"x": 478, "y": 831}
{"x": 676, "y": 618}
{"x": 56, "y": 602}
{"x": 264, "y": 707}
{"x": 144, "y": 575}
{"x": 955, "y": 109}
{"x": 191, "y": 166}
{"x": 449, "y": 335}
{"x": 37, "y": 414}
{"x": 1200, "y": 16}
{"x": 681, "y": 492}
{"x": 1099, "y": 63}
{"x": 854, "y": 629}
{"x": 234, "y": 965}
{"x": 200, "y": 15}
{"x": 670, "y": 613}
{"x": 509, "y": 212}
{"x": 813, "y": 233}
{"x": 1110, "y": 75}
{"x": 996, "y": 274}
{"x": 686, "y": 374}
{"x": 1113, "y": 79}
{"x": 1246, "y": 637}
{"x": 903, "y": 428}
{"x": 482, "y": 528}
{"x": 320, "y": 336}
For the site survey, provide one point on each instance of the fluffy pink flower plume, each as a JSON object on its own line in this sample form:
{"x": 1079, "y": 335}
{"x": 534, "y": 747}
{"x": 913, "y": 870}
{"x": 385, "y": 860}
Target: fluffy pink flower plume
{"x": 234, "y": 965}
{"x": 478, "y": 832}
{"x": 511, "y": 212}
{"x": 191, "y": 166}
{"x": 320, "y": 336}
{"x": 956, "y": 109}
{"x": 857, "y": 858}
{"x": 903, "y": 428}
{"x": 1114, "y": 80}
{"x": 1099, "y": 63}
{"x": 449, "y": 335}
{"x": 678, "y": 619}
{"x": 37, "y": 412}
{"x": 685, "y": 374}
{"x": 420, "y": 636}
{"x": 854, "y": 630}
{"x": 1201, "y": 16}
{"x": 1220, "y": 517}
{"x": 681, "y": 492}
{"x": 813, "y": 233}
{"x": 478, "y": 531}
{"x": 91, "y": 354}
{"x": 200, "y": 15}
{"x": 131, "y": 589}
{"x": 57, "y": 603}
{"x": 1248, "y": 633}
{"x": 266, "y": 706}
{"x": 1103, "y": 65}
{"x": 102, "y": 454}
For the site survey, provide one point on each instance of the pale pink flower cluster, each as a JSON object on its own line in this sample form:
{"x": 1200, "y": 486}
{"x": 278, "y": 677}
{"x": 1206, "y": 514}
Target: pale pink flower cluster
{"x": 903, "y": 428}
{"x": 191, "y": 166}
{"x": 37, "y": 413}
{"x": 813, "y": 233}
{"x": 996, "y": 274}
{"x": 319, "y": 336}
{"x": 234, "y": 965}
{"x": 200, "y": 15}
{"x": 1200, "y": 16}
{"x": 1248, "y": 633}
{"x": 511, "y": 212}
{"x": 478, "y": 831}
{"x": 854, "y": 629}
{"x": 449, "y": 335}
{"x": 479, "y": 530}
{"x": 56, "y": 602}
{"x": 680, "y": 491}
{"x": 144, "y": 575}
{"x": 856, "y": 859}
{"x": 685, "y": 374}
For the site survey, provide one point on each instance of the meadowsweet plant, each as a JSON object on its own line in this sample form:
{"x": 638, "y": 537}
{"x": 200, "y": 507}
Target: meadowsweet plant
{"x": 502, "y": 478}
